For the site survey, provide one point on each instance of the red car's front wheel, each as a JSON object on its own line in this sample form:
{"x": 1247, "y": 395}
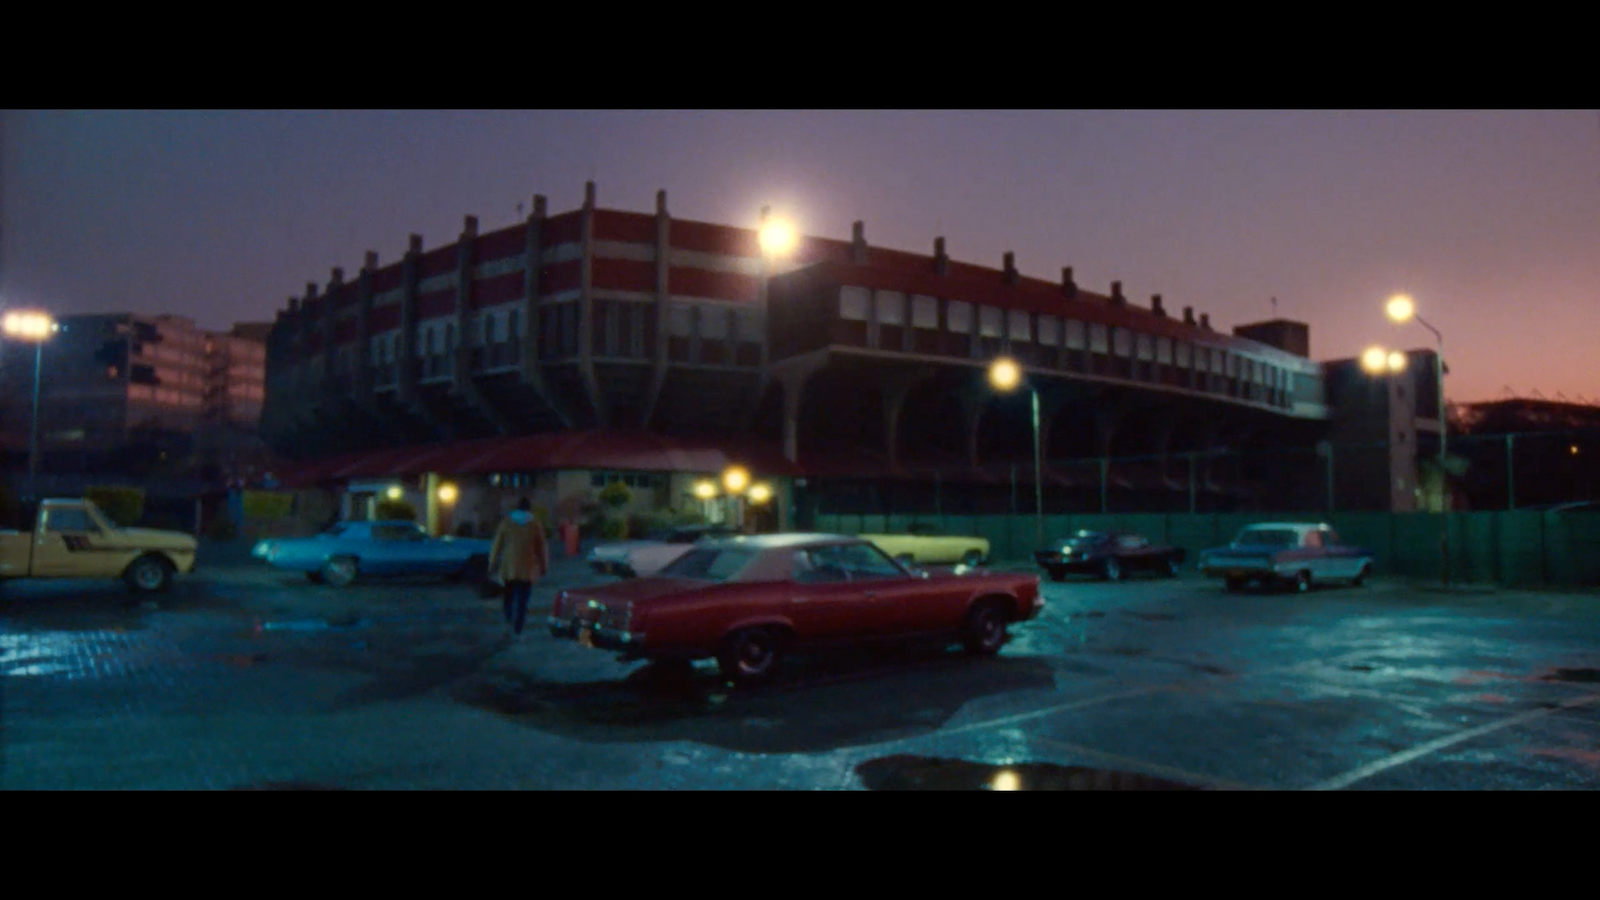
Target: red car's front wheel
{"x": 750, "y": 656}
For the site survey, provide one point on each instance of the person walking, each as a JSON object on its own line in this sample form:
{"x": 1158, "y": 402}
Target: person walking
{"x": 519, "y": 556}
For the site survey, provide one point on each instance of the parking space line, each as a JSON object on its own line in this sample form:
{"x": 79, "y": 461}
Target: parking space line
{"x": 1421, "y": 750}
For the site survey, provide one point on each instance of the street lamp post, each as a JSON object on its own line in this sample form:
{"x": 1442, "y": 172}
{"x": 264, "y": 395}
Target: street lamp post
{"x": 1401, "y": 308}
{"x": 35, "y": 327}
{"x": 1006, "y": 376}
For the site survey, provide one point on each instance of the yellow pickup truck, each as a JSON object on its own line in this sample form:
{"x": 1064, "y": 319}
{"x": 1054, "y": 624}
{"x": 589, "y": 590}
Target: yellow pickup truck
{"x": 74, "y": 539}
{"x": 925, "y": 546}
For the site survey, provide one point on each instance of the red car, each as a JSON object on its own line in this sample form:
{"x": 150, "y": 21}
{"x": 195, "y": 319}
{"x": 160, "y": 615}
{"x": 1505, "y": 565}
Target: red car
{"x": 747, "y": 600}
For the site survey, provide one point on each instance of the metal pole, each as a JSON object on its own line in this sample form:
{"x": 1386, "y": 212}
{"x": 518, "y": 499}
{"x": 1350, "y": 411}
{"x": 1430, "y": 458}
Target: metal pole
{"x": 1444, "y": 478}
{"x": 1038, "y": 475}
{"x": 1330, "y": 477}
{"x": 33, "y": 436}
{"x": 1105, "y": 469}
{"x": 1192, "y": 507}
{"x": 1511, "y": 480}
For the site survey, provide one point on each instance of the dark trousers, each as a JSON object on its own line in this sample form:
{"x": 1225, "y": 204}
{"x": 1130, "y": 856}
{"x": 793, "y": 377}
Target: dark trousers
{"x": 516, "y": 603}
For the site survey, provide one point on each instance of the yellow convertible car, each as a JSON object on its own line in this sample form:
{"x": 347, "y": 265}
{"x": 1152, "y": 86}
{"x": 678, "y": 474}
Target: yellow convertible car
{"x": 923, "y": 545}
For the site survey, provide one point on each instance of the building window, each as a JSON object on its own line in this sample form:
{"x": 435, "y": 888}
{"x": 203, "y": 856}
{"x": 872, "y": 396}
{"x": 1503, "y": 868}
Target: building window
{"x": 511, "y": 325}
{"x": 1164, "y": 351}
{"x": 1097, "y": 339}
{"x": 1074, "y": 337}
{"x": 1216, "y": 361}
{"x": 678, "y": 324}
{"x": 747, "y": 327}
{"x": 958, "y": 316}
{"x": 853, "y": 303}
{"x": 924, "y": 311}
{"x": 1050, "y": 331}
{"x": 1143, "y": 348}
{"x": 713, "y": 323}
{"x": 991, "y": 321}
{"x": 891, "y": 308}
{"x": 1019, "y": 325}
{"x": 1121, "y": 342}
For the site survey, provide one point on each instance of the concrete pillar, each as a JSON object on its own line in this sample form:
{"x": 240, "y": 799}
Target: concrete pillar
{"x": 461, "y": 380}
{"x": 591, "y": 384}
{"x": 793, "y": 375}
{"x": 658, "y": 353}
{"x": 364, "y": 361}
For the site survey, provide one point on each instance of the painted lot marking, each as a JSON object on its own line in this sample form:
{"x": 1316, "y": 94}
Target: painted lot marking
{"x": 1421, "y": 750}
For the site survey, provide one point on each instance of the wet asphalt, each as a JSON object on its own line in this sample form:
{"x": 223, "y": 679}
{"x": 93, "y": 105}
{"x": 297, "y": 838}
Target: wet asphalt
{"x": 246, "y": 678}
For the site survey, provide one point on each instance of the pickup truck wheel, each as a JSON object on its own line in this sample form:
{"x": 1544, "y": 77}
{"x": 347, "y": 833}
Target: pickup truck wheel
{"x": 1235, "y": 585}
{"x": 972, "y": 559}
{"x": 340, "y": 571}
{"x": 1302, "y": 582}
{"x": 148, "y": 574}
{"x": 750, "y": 656}
{"x": 1111, "y": 569}
{"x": 984, "y": 632}
{"x": 1361, "y": 576}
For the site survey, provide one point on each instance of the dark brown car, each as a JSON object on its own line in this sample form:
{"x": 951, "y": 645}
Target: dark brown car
{"x": 747, "y": 600}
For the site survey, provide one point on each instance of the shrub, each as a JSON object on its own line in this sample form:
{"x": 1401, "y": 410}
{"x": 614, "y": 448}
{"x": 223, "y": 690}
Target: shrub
{"x": 613, "y": 529}
{"x": 122, "y": 505}
{"x": 395, "y": 510}
{"x": 616, "y": 495}
{"x": 222, "y": 529}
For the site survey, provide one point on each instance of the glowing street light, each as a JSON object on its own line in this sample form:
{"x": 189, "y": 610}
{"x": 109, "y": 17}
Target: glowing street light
{"x": 1379, "y": 361}
{"x": 448, "y": 493}
{"x": 778, "y": 236}
{"x": 705, "y": 489}
{"x": 1005, "y": 375}
{"x": 759, "y": 493}
{"x": 1402, "y": 308}
{"x": 735, "y": 479}
{"x": 395, "y": 492}
{"x": 36, "y": 327}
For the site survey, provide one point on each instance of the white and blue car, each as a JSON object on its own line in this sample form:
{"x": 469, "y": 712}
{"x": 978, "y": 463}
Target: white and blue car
{"x": 351, "y": 550}
{"x": 1296, "y": 554}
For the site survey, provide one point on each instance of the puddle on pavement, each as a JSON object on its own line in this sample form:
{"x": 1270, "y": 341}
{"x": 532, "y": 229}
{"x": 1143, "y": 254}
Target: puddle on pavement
{"x": 1153, "y": 616}
{"x": 1093, "y": 614}
{"x": 925, "y": 773}
{"x": 338, "y": 624}
{"x": 1361, "y": 667}
{"x": 1580, "y": 676}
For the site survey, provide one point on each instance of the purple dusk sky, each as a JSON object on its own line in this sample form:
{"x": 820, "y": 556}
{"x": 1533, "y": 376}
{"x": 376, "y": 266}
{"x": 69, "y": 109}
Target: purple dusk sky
{"x": 1491, "y": 220}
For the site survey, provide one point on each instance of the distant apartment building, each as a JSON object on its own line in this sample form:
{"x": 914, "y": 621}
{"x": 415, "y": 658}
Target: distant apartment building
{"x": 113, "y": 381}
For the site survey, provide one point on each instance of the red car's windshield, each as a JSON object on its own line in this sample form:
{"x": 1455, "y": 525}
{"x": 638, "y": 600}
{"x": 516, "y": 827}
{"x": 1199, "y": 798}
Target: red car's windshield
{"x": 709, "y": 564}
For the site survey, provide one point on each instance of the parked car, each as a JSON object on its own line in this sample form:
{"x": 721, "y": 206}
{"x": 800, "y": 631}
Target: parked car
{"x": 745, "y": 601}
{"x": 643, "y": 558}
{"x": 1108, "y": 554}
{"x": 1286, "y": 553}
{"x": 73, "y": 538}
{"x": 922, "y": 544}
{"x": 351, "y": 550}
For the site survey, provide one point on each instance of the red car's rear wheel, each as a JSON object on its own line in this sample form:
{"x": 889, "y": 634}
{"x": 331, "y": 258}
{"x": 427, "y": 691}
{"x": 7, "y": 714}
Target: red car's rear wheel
{"x": 751, "y": 655}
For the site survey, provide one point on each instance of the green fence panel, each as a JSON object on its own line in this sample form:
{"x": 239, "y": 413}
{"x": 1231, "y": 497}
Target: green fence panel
{"x": 827, "y": 523}
{"x": 1057, "y": 527}
{"x": 874, "y": 524}
{"x": 996, "y": 530}
{"x": 1581, "y": 533}
{"x": 1153, "y": 526}
{"x": 1479, "y": 545}
{"x": 1521, "y": 547}
{"x": 1370, "y": 531}
{"x": 1195, "y": 534}
{"x": 1416, "y": 545}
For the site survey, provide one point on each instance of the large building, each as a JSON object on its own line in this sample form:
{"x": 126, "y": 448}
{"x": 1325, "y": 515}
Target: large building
{"x": 121, "y": 385}
{"x": 866, "y": 366}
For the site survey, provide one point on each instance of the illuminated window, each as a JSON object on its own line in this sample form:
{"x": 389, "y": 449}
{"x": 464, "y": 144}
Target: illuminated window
{"x": 991, "y": 321}
{"x": 958, "y": 316}
{"x": 1216, "y": 361}
{"x": 924, "y": 312}
{"x": 1019, "y": 325}
{"x": 1164, "y": 351}
{"x": 1098, "y": 339}
{"x": 1050, "y": 331}
{"x": 1142, "y": 344}
{"x": 891, "y": 308}
{"x": 853, "y": 303}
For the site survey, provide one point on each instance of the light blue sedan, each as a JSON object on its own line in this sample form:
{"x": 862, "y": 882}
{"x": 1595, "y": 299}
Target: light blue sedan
{"x": 352, "y": 550}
